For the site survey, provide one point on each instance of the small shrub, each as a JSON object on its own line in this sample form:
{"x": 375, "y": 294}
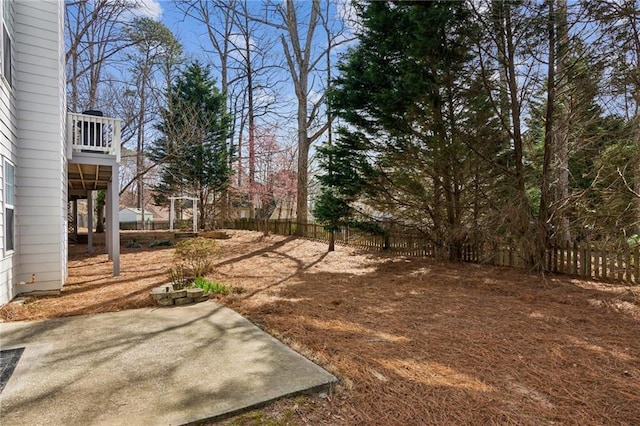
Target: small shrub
{"x": 132, "y": 244}
{"x": 211, "y": 287}
{"x": 161, "y": 243}
{"x": 179, "y": 277}
{"x": 196, "y": 255}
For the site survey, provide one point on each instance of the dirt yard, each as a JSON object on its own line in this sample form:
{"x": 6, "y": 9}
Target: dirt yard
{"x": 413, "y": 341}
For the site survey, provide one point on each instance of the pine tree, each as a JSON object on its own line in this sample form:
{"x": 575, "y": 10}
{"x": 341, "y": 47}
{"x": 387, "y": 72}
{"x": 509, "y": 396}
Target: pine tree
{"x": 193, "y": 151}
{"x": 347, "y": 174}
{"x": 405, "y": 92}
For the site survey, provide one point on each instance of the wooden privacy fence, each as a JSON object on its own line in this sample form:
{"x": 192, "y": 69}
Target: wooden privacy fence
{"x": 585, "y": 260}
{"x": 591, "y": 260}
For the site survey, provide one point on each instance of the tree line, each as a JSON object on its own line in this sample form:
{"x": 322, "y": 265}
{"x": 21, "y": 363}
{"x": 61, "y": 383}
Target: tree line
{"x": 268, "y": 63}
{"x": 490, "y": 121}
{"x": 475, "y": 121}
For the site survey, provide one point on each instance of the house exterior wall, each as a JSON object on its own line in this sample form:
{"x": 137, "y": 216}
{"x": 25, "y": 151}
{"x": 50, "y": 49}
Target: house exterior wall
{"x": 126, "y": 215}
{"x": 8, "y": 152}
{"x": 42, "y": 159}
{"x": 62, "y": 94}
{"x": 33, "y": 136}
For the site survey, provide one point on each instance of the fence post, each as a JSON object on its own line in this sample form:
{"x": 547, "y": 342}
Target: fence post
{"x": 636, "y": 261}
{"x": 596, "y": 257}
{"x": 619, "y": 267}
{"x": 582, "y": 257}
{"x": 627, "y": 264}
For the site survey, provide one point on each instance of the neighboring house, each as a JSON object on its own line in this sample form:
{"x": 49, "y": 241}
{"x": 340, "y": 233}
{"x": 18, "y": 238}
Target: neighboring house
{"x": 131, "y": 214}
{"x": 48, "y": 157}
{"x": 243, "y": 212}
{"x": 160, "y": 213}
{"x": 283, "y": 212}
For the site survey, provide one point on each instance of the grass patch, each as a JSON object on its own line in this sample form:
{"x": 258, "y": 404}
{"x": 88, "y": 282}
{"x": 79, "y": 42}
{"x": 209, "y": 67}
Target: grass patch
{"x": 211, "y": 287}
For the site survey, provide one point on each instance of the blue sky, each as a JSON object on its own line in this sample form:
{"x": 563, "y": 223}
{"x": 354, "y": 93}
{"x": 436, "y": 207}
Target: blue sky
{"x": 195, "y": 42}
{"x": 188, "y": 32}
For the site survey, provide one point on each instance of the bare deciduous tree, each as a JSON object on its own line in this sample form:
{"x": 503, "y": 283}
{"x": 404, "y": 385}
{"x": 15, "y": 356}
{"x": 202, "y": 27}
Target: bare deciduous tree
{"x": 94, "y": 38}
{"x": 298, "y": 25}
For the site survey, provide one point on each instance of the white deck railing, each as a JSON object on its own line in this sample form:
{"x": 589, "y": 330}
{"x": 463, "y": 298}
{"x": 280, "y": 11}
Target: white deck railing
{"x": 91, "y": 133}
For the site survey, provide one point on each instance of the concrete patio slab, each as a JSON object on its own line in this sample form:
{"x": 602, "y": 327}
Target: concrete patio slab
{"x": 156, "y": 366}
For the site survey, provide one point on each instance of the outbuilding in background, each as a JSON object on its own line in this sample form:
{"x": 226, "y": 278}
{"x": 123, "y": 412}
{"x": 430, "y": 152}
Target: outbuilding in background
{"x": 131, "y": 218}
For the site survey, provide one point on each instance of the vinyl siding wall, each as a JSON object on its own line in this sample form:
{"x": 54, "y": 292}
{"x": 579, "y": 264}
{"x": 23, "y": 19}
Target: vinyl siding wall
{"x": 62, "y": 93}
{"x": 41, "y": 164}
{"x": 8, "y": 151}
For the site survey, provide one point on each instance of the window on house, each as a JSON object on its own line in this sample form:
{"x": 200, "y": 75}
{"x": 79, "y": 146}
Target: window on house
{"x": 5, "y": 44}
{"x": 6, "y": 54}
{"x": 9, "y": 196}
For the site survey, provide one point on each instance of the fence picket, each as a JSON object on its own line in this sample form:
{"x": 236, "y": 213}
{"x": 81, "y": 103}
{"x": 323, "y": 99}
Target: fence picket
{"x": 636, "y": 264}
{"x": 596, "y": 267}
{"x": 627, "y": 264}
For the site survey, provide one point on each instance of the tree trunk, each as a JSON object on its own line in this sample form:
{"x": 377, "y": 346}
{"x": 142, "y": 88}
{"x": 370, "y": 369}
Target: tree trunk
{"x": 636, "y": 123}
{"x": 636, "y": 176}
{"x": 498, "y": 9}
{"x": 252, "y": 142}
{"x": 140, "y": 147}
{"x": 562, "y": 128}
{"x": 298, "y": 57}
{"x": 545, "y": 189}
{"x": 303, "y": 165}
{"x": 99, "y": 206}
{"x": 522, "y": 215}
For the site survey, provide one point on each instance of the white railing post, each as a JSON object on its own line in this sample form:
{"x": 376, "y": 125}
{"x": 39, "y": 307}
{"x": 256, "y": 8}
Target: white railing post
{"x": 171, "y": 214}
{"x": 115, "y": 142}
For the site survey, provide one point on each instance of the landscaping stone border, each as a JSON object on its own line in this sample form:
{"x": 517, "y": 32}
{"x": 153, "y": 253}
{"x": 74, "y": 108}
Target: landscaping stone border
{"x": 166, "y": 295}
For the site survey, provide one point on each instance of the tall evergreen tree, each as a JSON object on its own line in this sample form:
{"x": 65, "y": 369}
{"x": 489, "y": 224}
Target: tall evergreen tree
{"x": 405, "y": 90}
{"x": 193, "y": 151}
{"x": 345, "y": 179}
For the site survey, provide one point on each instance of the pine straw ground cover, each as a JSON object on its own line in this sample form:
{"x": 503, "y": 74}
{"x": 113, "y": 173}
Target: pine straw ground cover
{"x": 413, "y": 341}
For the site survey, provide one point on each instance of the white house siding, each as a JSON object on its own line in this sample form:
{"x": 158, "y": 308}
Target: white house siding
{"x": 8, "y": 151}
{"x": 41, "y": 206}
{"x": 62, "y": 93}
